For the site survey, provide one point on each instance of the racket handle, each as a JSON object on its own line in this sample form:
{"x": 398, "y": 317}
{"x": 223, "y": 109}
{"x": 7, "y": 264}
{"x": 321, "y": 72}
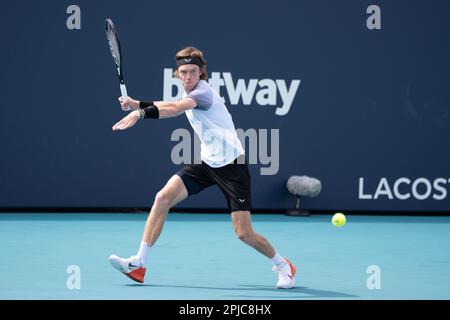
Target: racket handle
{"x": 123, "y": 90}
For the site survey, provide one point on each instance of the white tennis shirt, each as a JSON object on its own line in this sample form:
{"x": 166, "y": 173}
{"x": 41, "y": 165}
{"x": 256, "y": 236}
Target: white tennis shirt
{"x": 214, "y": 126}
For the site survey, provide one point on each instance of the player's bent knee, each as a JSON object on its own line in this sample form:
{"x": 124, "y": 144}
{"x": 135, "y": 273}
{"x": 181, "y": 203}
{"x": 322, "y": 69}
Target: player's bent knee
{"x": 163, "y": 199}
{"x": 244, "y": 235}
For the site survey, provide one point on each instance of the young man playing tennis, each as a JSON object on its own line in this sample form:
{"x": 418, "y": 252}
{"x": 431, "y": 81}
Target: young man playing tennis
{"x": 221, "y": 165}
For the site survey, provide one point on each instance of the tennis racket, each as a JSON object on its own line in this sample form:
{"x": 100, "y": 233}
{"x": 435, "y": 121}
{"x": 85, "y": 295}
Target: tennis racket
{"x": 114, "y": 45}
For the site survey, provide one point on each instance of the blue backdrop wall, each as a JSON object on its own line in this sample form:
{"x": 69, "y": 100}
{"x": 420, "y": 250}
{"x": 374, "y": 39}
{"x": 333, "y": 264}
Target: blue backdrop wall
{"x": 353, "y": 94}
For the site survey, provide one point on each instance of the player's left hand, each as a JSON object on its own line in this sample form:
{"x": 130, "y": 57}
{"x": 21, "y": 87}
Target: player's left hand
{"x": 127, "y": 122}
{"x": 128, "y": 103}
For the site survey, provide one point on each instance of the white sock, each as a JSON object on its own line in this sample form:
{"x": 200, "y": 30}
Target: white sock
{"x": 278, "y": 260}
{"x": 143, "y": 252}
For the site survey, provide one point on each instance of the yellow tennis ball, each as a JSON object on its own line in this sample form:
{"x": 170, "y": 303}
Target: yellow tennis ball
{"x": 338, "y": 219}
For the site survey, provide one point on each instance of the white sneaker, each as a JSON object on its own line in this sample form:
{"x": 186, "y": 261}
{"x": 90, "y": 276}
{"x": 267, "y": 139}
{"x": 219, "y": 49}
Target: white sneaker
{"x": 131, "y": 267}
{"x": 286, "y": 275}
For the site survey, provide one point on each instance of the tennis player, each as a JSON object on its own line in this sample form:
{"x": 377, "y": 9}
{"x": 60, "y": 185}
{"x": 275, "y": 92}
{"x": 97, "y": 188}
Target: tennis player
{"x": 223, "y": 164}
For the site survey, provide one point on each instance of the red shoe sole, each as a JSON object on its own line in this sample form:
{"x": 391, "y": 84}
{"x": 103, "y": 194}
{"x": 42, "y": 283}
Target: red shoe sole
{"x": 293, "y": 268}
{"x": 137, "y": 275}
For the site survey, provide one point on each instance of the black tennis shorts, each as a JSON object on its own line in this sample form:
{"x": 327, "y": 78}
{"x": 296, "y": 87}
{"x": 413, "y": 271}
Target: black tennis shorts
{"x": 232, "y": 179}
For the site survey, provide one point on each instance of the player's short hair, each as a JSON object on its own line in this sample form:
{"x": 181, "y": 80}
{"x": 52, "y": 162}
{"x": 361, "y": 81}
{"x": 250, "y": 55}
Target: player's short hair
{"x": 192, "y": 52}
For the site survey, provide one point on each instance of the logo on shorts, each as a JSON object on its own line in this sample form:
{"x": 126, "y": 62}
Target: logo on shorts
{"x": 241, "y": 200}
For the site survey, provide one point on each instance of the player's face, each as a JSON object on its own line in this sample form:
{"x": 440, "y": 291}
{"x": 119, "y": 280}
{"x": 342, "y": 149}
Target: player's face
{"x": 189, "y": 75}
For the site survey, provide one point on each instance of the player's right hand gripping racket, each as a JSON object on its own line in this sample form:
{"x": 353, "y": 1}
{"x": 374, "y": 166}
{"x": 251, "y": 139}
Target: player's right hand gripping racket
{"x": 114, "y": 45}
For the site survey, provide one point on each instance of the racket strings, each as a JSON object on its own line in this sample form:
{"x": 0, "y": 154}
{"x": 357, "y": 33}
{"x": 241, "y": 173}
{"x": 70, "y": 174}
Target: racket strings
{"x": 113, "y": 43}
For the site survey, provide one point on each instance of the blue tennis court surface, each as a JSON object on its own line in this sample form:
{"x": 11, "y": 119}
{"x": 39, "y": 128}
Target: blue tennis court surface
{"x": 199, "y": 257}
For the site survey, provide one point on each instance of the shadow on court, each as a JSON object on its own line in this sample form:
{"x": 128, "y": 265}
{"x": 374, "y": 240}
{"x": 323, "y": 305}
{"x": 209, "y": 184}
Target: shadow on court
{"x": 282, "y": 294}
